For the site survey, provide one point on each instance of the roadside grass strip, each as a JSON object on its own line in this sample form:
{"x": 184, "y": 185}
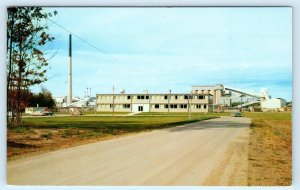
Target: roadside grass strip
{"x": 270, "y": 149}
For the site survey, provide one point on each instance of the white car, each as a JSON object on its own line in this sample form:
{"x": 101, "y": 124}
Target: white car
{"x": 37, "y": 113}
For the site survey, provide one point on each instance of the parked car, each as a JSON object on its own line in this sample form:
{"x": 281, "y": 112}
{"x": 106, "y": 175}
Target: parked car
{"x": 236, "y": 114}
{"x": 49, "y": 113}
{"x": 37, "y": 113}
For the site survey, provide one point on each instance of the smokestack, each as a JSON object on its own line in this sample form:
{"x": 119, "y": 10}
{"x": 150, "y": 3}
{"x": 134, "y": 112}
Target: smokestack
{"x": 70, "y": 71}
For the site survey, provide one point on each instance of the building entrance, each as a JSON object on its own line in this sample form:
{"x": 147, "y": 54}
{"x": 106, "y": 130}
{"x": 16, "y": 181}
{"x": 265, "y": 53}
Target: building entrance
{"x": 141, "y": 108}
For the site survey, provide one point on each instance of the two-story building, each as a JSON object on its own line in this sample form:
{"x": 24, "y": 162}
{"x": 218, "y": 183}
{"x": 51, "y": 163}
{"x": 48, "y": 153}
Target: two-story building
{"x": 195, "y": 102}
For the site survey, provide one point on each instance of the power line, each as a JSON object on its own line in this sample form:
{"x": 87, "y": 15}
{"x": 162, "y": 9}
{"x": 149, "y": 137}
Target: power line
{"x": 84, "y": 41}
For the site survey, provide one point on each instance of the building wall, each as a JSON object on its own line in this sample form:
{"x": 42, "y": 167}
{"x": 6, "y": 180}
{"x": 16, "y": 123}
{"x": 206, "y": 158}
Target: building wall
{"x": 153, "y": 102}
{"x": 273, "y": 103}
{"x": 215, "y": 91}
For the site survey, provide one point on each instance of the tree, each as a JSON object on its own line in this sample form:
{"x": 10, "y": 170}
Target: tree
{"x": 27, "y": 41}
{"x": 43, "y": 99}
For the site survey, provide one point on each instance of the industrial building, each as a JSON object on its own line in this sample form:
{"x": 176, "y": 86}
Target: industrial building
{"x": 271, "y": 104}
{"x": 201, "y": 99}
{"x": 154, "y": 102}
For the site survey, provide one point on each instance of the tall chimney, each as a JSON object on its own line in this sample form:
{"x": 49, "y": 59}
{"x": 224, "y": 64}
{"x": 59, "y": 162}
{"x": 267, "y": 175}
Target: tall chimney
{"x": 70, "y": 71}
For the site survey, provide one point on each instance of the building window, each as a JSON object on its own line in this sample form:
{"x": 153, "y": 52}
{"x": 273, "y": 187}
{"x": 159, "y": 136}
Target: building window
{"x": 110, "y": 106}
{"x": 188, "y": 97}
{"x": 147, "y": 97}
{"x": 126, "y": 106}
{"x": 174, "y": 106}
{"x": 204, "y": 106}
{"x": 201, "y": 97}
{"x": 176, "y": 97}
{"x": 198, "y": 106}
{"x": 156, "y": 106}
{"x": 166, "y": 105}
{"x": 166, "y": 97}
{"x": 128, "y": 97}
{"x": 140, "y": 97}
{"x": 183, "y": 106}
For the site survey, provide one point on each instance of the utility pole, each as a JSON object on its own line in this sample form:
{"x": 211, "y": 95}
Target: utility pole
{"x": 149, "y": 102}
{"x": 241, "y": 101}
{"x": 169, "y": 101}
{"x": 190, "y": 109}
{"x": 70, "y": 71}
{"x": 113, "y": 106}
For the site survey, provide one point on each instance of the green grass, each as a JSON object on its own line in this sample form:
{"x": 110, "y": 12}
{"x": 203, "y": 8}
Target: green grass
{"x": 90, "y": 113}
{"x": 183, "y": 114}
{"x": 108, "y": 124}
{"x": 272, "y": 116}
{"x": 101, "y": 112}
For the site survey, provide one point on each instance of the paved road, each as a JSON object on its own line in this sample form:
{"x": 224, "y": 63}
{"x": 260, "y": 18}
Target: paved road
{"x": 212, "y": 152}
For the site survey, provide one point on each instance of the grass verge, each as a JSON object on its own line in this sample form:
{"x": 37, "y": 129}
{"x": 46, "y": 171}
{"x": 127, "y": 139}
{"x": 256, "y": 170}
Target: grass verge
{"x": 270, "y": 149}
{"x": 91, "y": 113}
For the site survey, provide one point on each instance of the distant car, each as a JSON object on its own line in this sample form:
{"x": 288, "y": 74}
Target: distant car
{"x": 49, "y": 113}
{"x": 236, "y": 114}
{"x": 37, "y": 113}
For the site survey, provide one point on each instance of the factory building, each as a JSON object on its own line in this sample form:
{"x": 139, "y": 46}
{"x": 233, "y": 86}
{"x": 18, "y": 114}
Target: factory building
{"x": 195, "y": 102}
{"x": 271, "y": 104}
{"x": 216, "y": 91}
{"x": 204, "y": 98}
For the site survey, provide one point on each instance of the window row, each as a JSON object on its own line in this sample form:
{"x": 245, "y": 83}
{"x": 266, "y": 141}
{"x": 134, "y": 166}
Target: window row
{"x": 116, "y": 106}
{"x": 158, "y": 97}
{"x": 181, "y": 106}
{"x": 156, "y": 106}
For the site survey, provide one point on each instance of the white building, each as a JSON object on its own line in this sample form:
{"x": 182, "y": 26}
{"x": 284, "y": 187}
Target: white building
{"x": 271, "y": 104}
{"x": 196, "y": 102}
{"x": 201, "y": 99}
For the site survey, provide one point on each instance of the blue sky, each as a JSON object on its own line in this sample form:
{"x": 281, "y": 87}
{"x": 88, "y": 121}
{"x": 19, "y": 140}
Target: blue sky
{"x": 158, "y": 49}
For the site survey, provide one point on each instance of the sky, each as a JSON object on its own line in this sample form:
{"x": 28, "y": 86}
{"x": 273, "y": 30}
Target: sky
{"x": 158, "y": 49}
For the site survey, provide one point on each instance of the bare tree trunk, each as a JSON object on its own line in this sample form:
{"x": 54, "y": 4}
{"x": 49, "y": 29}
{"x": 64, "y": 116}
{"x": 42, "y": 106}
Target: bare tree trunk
{"x": 9, "y": 108}
{"x": 18, "y": 116}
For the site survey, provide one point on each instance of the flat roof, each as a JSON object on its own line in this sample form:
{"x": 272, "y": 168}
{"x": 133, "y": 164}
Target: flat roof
{"x": 158, "y": 94}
